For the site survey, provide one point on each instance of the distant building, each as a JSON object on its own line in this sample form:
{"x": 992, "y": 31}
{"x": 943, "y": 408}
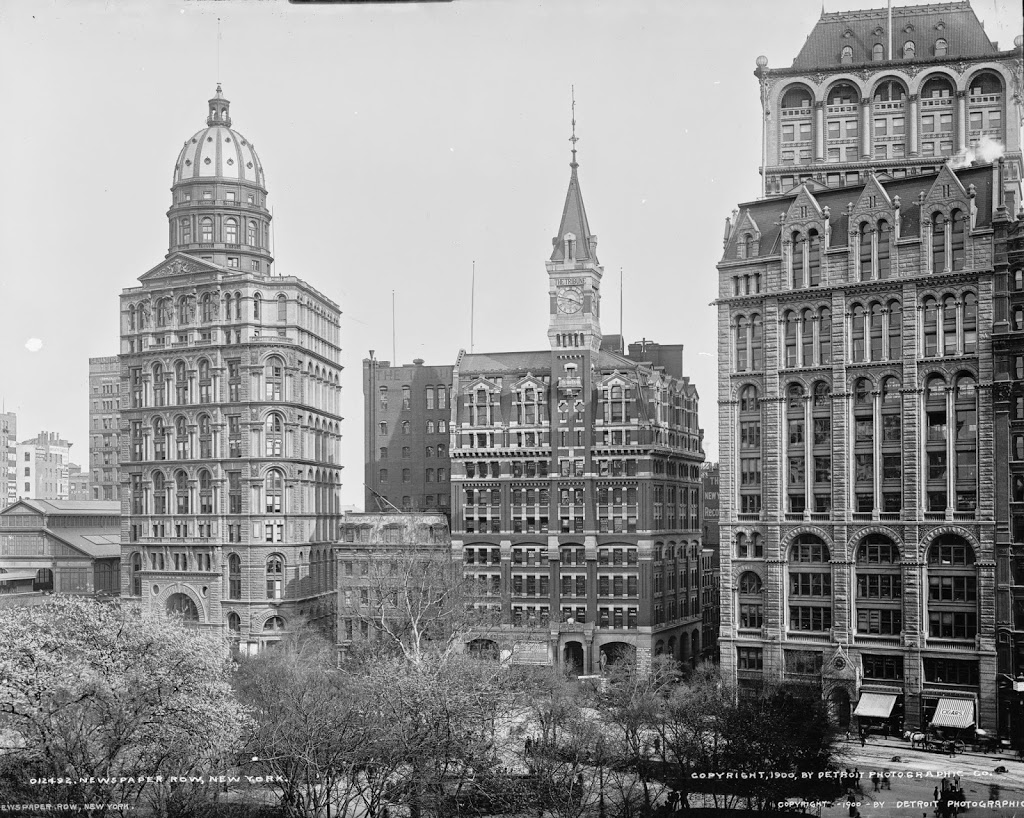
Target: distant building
{"x": 8, "y": 458}
{"x": 378, "y": 554}
{"x": 42, "y": 467}
{"x": 69, "y": 547}
{"x": 709, "y": 483}
{"x": 710, "y": 591}
{"x": 78, "y": 483}
{"x": 104, "y": 419}
{"x": 406, "y": 412}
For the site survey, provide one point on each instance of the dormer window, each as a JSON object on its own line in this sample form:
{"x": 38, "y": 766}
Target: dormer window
{"x": 570, "y": 247}
{"x": 909, "y": 49}
{"x": 846, "y": 57}
{"x": 877, "y": 52}
{"x": 940, "y": 47}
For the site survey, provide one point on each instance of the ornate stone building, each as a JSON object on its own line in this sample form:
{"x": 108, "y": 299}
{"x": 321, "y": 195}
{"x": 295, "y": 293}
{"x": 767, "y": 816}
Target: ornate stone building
{"x": 856, "y": 366}
{"x": 576, "y": 481}
{"x": 230, "y": 425}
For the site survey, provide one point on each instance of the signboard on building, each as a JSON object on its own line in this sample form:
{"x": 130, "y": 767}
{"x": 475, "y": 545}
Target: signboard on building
{"x": 531, "y": 653}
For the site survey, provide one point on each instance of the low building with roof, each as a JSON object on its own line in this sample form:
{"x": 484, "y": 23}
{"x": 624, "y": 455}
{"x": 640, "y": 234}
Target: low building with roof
{"x": 65, "y": 546}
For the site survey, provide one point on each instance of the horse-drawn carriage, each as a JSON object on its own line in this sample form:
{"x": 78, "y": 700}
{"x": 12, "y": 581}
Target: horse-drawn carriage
{"x": 935, "y": 741}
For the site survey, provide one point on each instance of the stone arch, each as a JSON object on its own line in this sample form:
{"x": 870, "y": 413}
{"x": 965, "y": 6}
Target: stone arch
{"x": 928, "y": 538}
{"x": 167, "y": 591}
{"x": 800, "y": 530}
{"x": 918, "y": 83}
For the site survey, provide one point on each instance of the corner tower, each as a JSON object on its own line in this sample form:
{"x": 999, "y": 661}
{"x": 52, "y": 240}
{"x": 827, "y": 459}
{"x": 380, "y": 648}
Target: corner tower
{"x": 219, "y": 199}
{"x": 574, "y": 273}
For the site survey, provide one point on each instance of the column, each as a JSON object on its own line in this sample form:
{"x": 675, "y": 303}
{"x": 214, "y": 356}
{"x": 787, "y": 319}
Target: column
{"x": 865, "y": 136}
{"x": 950, "y": 451}
{"x": 914, "y": 148}
{"x": 808, "y": 440}
{"x": 819, "y": 131}
{"x": 961, "y": 120}
{"x": 876, "y": 447}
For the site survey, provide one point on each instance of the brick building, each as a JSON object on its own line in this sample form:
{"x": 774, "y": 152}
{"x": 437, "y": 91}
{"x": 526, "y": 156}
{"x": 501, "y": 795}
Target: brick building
{"x": 575, "y": 481}
{"x": 1008, "y": 443}
{"x": 406, "y": 414}
{"x": 856, "y": 361}
{"x": 229, "y": 401}
{"x": 78, "y": 483}
{"x": 104, "y": 440}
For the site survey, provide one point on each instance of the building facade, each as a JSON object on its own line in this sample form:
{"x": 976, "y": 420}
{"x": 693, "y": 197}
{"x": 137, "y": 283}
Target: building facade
{"x": 66, "y": 547}
{"x": 406, "y": 415}
{"x": 575, "y": 481}
{"x": 78, "y": 483}
{"x": 1008, "y": 442}
{"x": 8, "y": 458}
{"x": 229, "y": 411}
{"x": 43, "y": 467}
{"x": 855, "y": 367}
{"x": 901, "y": 102}
{"x": 104, "y": 423}
{"x": 386, "y": 557}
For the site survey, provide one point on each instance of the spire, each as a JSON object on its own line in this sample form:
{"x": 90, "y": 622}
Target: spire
{"x": 219, "y": 107}
{"x": 574, "y": 214}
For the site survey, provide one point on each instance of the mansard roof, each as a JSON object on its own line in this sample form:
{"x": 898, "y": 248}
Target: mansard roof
{"x": 956, "y": 23}
{"x": 766, "y": 212}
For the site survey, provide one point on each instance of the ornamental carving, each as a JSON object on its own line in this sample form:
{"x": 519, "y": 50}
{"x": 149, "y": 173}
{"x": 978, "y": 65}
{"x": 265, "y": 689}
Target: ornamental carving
{"x": 177, "y": 267}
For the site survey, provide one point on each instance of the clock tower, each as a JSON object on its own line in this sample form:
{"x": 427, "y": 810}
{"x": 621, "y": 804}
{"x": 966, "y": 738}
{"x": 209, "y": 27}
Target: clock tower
{"x": 574, "y": 275}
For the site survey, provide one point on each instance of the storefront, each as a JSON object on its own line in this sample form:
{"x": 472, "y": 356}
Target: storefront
{"x": 949, "y": 715}
{"x": 880, "y": 712}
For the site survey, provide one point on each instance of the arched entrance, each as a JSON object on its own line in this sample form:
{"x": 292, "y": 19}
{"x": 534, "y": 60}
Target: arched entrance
{"x": 616, "y": 652}
{"x": 695, "y": 648}
{"x": 839, "y": 708}
{"x": 672, "y": 647}
{"x": 483, "y": 649}
{"x": 572, "y": 657}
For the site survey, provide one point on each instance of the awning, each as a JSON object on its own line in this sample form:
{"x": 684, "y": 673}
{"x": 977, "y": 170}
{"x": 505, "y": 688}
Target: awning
{"x": 954, "y": 713}
{"x": 875, "y": 705}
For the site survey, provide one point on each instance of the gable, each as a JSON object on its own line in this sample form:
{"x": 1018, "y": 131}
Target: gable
{"x": 804, "y": 207}
{"x": 945, "y": 180}
{"x": 178, "y": 265}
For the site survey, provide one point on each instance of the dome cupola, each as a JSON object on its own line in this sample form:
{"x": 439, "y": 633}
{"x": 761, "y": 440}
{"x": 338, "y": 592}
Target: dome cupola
{"x": 218, "y": 209}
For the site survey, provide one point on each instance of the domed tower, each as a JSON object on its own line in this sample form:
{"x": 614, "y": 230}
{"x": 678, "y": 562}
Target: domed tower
{"x": 219, "y": 201}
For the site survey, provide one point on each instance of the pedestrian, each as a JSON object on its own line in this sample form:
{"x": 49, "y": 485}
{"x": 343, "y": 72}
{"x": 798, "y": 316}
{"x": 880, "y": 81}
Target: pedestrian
{"x": 863, "y": 741}
{"x": 956, "y": 781}
{"x": 887, "y": 780}
{"x": 935, "y": 795}
{"x": 529, "y": 744}
{"x": 874, "y": 781}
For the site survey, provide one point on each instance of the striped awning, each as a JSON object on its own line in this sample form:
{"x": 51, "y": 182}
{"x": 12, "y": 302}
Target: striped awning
{"x": 954, "y": 713}
{"x": 875, "y": 705}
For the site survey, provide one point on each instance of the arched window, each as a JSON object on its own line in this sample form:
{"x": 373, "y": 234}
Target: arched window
{"x": 965, "y": 443}
{"x": 894, "y": 314}
{"x": 796, "y": 461}
{"x": 936, "y": 471}
{"x": 751, "y": 602}
{"x": 227, "y": 306}
{"x": 756, "y": 343}
{"x": 876, "y": 331}
{"x": 949, "y": 334}
{"x": 205, "y": 437}
{"x": 938, "y": 243}
{"x": 952, "y": 589}
{"x": 846, "y": 55}
{"x": 181, "y": 605}
{"x": 234, "y": 576}
{"x": 821, "y": 447}
{"x": 231, "y": 231}
{"x": 406, "y": 429}
{"x": 956, "y": 239}
{"x": 274, "y": 435}
{"x": 181, "y": 492}
{"x": 163, "y": 312}
{"x": 256, "y": 306}
{"x": 970, "y": 323}
{"x": 865, "y": 245}
{"x": 810, "y": 585}
{"x": 273, "y": 377}
{"x": 813, "y": 258}
{"x": 790, "y": 332}
{"x": 159, "y": 493}
{"x": 181, "y": 439}
{"x": 742, "y": 344}
{"x": 234, "y": 624}
{"x": 891, "y": 446}
{"x": 131, "y": 317}
{"x": 824, "y": 336}
{"x": 858, "y": 332}
{"x": 251, "y": 234}
{"x": 879, "y": 600}
{"x": 207, "y": 308}
{"x": 806, "y": 337}
{"x": 940, "y": 47}
{"x": 159, "y": 440}
{"x": 909, "y": 49}
{"x": 206, "y": 230}
{"x": 282, "y": 309}
{"x": 205, "y": 492}
{"x": 273, "y": 485}
{"x": 797, "y": 241}
{"x": 877, "y": 52}
{"x": 931, "y": 327}
{"x": 180, "y": 383}
{"x": 274, "y": 624}
{"x": 186, "y": 231}
{"x": 275, "y": 576}
{"x": 884, "y": 265}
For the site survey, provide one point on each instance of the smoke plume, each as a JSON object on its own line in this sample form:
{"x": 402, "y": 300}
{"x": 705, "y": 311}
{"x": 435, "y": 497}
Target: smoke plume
{"x": 987, "y": 150}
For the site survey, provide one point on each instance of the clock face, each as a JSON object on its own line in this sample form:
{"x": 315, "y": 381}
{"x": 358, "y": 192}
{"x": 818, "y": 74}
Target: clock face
{"x": 570, "y": 299}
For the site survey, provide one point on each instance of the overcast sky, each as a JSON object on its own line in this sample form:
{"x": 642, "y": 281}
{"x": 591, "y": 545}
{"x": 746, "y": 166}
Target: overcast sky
{"x": 400, "y": 144}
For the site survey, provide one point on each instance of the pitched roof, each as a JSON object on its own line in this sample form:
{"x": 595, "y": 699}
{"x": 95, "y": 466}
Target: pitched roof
{"x": 956, "y": 23}
{"x": 96, "y": 546}
{"x": 767, "y": 211}
{"x": 104, "y": 507}
{"x": 574, "y": 220}
{"x": 485, "y": 362}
